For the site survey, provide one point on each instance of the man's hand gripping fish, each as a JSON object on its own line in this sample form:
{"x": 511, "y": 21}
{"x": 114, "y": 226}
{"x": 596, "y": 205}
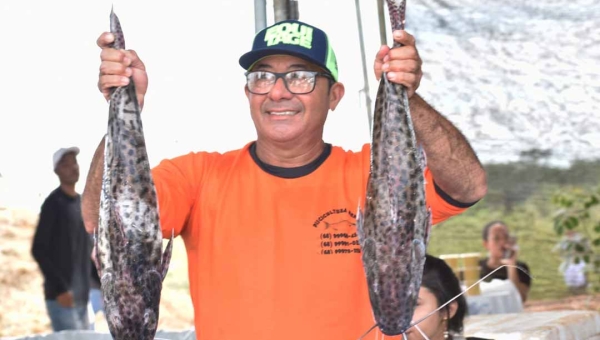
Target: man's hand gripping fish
{"x": 394, "y": 227}
{"x": 128, "y": 238}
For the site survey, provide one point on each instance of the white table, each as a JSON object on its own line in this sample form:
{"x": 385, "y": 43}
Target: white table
{"x": 497, "y": 297}
{"x": 551, "y": 325}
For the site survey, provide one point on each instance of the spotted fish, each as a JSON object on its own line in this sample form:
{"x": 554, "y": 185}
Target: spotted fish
{"x": 128, "y": 238}
{"x": 393, "y": 229}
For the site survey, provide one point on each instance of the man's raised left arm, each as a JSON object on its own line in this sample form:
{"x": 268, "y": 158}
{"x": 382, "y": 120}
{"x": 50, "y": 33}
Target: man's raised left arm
{"x": 455, "y": 167}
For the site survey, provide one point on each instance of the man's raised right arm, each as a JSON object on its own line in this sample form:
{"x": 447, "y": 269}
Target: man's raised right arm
{"x": 117, "y": 68}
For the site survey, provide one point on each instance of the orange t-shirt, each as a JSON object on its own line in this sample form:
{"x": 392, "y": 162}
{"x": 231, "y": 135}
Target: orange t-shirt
{"x": 273, "y": 257}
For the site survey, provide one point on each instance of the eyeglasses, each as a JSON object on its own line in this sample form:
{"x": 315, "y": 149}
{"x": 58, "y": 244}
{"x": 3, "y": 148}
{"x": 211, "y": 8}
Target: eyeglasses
{"x": 297, "y": 82}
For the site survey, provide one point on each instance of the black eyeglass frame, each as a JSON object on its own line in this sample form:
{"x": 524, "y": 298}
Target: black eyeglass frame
{"x": 282, "y": 75}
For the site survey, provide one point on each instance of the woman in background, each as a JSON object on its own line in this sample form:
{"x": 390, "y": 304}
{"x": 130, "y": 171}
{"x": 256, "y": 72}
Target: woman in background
{"x": 502, "y": 250}
{"x": 438, "y": 286}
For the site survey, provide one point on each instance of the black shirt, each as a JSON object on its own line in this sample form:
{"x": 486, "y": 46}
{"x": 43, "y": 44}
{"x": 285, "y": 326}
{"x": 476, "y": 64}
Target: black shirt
{"x": 502, "y": 273}
{"x": 62, "y": 247}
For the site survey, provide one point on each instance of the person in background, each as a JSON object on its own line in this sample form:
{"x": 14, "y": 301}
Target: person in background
{"x": 95, "y": 293}
{"x": 438, "y": 286}
{"x": 62, "y": 248}
{"x": 503, "y": 251}
{"x": 573, "y": 247}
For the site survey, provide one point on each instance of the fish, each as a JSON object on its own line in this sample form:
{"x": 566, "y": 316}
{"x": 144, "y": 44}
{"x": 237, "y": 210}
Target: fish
{"x": 128, "y": 239}
{"x": 394, "y": 227}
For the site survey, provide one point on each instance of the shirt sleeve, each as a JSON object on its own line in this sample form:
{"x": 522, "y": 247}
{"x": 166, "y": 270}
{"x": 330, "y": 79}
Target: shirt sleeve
{"x": 42, "y": 246}
{"x": 178, "y": 183}
{"x": 442, "y": 206}
{"x": 524, "y": 277}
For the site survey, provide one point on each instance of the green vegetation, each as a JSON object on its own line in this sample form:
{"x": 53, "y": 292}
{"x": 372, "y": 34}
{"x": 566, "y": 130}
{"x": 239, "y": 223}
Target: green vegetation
{"x": 578, "y": 217}
{"x": 525, "y": 195}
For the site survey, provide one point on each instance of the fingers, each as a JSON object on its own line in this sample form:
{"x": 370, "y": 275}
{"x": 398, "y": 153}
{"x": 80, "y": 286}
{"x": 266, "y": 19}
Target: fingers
{"x": 410, "y": 81}
{"x": 105, "y": 83}
{"x": 136, "y": 62}
{"x": 115, "y": 69}
{"x": 113, "y": 74}
{"x": 405, "y": 72}
{"x": 105, "y": 39}
{"x": 404, "y": 38}
{"x": 404, "y": 53}
{"x": 403, "y": 63}
{"x": 380, "y": 58}
{"x": 401, "y": 66}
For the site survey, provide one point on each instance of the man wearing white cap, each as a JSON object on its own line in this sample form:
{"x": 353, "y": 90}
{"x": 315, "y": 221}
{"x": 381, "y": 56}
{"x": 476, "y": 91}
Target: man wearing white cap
{"x": 62, "y": 248}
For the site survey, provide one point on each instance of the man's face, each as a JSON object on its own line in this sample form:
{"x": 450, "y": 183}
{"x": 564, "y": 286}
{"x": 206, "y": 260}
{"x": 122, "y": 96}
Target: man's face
{"x": 281, "y": 116}
{"x": 68, "y": 169}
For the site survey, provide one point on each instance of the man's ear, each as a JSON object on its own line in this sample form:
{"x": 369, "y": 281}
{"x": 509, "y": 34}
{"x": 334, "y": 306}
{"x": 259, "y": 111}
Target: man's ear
{"x": 336, "y": 93}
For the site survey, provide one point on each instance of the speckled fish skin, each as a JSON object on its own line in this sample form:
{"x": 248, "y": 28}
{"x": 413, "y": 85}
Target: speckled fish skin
{"x": 394, "y": 227}
{"x": 128, "y": 238}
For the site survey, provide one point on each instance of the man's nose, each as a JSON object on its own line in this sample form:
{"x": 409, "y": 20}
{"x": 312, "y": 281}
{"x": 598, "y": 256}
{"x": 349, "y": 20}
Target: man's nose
{"x": 279, "y": 91}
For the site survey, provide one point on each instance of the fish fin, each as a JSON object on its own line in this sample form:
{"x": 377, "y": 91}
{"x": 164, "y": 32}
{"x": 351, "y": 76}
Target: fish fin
{"x": 166, "y": 258}
{"x": 422, "y": 156}
{"x": 419, "y": 252}
{"x": 418, "y": 249}
{"x": 359, "y": 222}
{"x": 95, "y": 255}
{"x": 109, "y": 291}
{"x": 429, "y": 220}
{"x": 151, "y": 295}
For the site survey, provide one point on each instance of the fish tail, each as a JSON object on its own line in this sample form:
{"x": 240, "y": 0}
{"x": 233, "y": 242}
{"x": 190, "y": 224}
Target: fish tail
{"x": 397, "y": 11}
{"x": 117, "y": 31}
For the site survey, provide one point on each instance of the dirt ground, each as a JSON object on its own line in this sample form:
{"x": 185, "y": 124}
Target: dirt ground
{"x": 21, "y": 291}
{"x": 22, "y": 300}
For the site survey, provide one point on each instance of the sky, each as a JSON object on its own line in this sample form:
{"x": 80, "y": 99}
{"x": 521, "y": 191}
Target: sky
{"x": 49, "y": 72}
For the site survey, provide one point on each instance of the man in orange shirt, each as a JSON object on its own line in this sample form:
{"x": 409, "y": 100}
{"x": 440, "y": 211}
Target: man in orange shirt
{"x": 269, "y": 228}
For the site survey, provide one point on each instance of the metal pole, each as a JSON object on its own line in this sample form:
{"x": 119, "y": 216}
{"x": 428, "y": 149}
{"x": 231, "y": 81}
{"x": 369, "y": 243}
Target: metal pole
{"x": 280, "y": 9}
{"x": 260, "y": 15}
{"x": 381, "y": 15}
{"x": 365, "y": 89}
{"x": 293, "y": 10}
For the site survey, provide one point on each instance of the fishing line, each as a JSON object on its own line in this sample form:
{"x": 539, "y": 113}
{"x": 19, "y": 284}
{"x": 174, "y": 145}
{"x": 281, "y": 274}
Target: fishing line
{"x": 422, "y": 333}
{"x": 367, "y": 332}
{"x": 450, "y": 301}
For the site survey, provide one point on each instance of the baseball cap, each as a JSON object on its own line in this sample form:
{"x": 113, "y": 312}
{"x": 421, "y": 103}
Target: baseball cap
{"x": 296, "y": 38}
{"x": 58, "y": 155}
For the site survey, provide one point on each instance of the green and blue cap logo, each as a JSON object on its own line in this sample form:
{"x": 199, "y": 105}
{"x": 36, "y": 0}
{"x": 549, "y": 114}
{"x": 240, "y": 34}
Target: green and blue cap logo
{"x": 293, "y": 37}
